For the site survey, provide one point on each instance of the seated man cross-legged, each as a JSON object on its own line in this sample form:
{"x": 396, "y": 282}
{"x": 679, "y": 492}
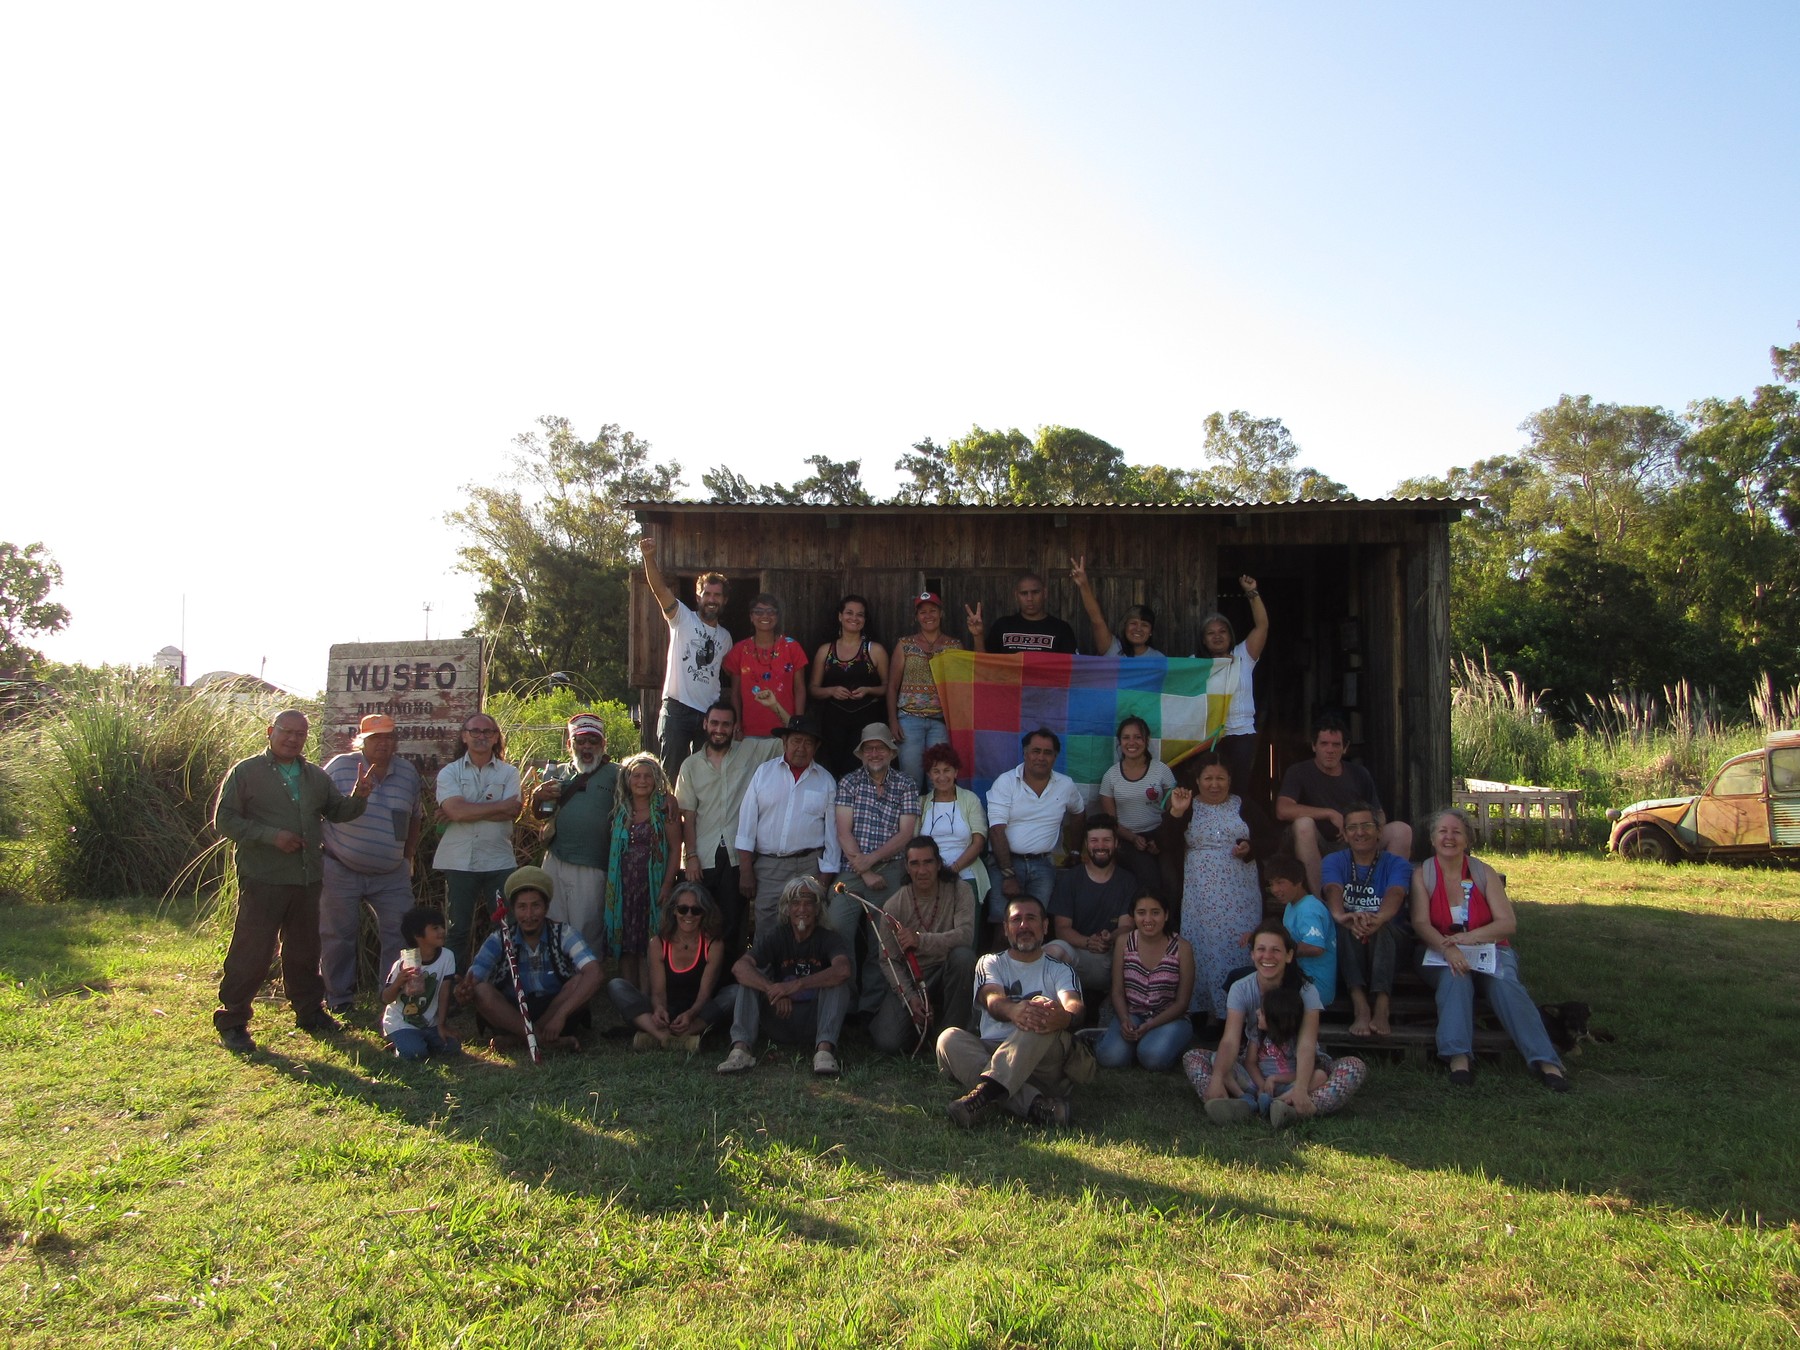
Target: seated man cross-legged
{"x": 1023, "y": 1056}
{"x": 800, "y": 973}
{"x": 556, "y": 969}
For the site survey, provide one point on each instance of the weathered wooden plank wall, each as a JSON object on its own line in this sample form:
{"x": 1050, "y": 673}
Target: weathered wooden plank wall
{"x": 1388, "y": 569}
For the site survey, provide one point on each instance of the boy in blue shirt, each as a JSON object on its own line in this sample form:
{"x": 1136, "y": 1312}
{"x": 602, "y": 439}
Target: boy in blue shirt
{"x": 1307, "y": 921}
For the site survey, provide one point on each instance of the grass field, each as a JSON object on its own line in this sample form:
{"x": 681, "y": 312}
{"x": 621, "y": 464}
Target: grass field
{"x": 158, "y": 1191}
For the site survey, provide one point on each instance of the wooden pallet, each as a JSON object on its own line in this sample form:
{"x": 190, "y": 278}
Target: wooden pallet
{"x": 1545, "y": 816}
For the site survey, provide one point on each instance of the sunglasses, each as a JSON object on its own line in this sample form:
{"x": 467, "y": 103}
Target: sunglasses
{"x": 689, "y": 909}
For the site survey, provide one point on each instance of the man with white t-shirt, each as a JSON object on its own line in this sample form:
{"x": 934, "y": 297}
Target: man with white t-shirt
{"x": 697, "y": 646}
{"x": 1029, "y": 1001}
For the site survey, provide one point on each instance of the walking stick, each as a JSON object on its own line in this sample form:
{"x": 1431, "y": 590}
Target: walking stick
{"x": 512, "y": 968}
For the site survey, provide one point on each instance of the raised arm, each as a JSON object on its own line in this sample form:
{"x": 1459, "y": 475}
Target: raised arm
{"x": 1258, "y": 636}
{"x": 1103, "y": 635}
{"x": 665, "y": 598}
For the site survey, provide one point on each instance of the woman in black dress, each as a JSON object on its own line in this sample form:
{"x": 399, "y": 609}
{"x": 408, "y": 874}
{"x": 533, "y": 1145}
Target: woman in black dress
{"x": 849, "y": 686}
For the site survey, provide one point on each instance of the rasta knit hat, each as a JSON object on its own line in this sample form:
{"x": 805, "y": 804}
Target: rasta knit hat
{"x": 530, "y": 879}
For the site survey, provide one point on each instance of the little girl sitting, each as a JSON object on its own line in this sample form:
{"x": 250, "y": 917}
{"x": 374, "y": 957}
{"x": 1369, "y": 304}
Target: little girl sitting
{"x": 1267, "y": 1067}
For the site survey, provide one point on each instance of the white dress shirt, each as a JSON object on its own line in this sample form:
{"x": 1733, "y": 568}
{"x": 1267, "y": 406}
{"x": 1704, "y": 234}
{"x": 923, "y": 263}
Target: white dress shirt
{"x": 781, "y": 815}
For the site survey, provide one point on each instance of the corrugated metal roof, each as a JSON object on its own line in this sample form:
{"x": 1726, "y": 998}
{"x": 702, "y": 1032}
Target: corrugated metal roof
{"x": 1196, "y": 508}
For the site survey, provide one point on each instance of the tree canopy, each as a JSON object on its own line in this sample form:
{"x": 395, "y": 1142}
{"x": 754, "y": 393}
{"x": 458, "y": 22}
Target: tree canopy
{"x": 27, "y": 576}
{"x": 1630, "y": 547}
{"x": 550, "y": 548}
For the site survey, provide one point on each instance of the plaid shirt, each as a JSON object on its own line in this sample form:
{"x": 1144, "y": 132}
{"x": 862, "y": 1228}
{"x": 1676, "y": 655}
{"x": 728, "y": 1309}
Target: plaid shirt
{"x": 877, "y": 810}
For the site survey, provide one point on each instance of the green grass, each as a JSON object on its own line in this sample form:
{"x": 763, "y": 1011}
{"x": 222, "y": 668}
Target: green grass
{"x": 158, "y": 1191}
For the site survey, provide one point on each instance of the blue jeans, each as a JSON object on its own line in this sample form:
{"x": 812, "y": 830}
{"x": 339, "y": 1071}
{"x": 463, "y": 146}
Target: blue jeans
{"x": 921, "y": 734}
{"x": 1036, "y": 876}
{"x": 1509, "y": 999}
{"x": 418, "y": 1043}
{"x": 817, "y": 1021}
{"x": 1156, "y": 1050}
{"x": 678, "y": 731}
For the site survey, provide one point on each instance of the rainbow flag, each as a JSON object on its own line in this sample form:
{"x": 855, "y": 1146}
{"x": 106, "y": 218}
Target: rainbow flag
{"x": 991, "y": 701}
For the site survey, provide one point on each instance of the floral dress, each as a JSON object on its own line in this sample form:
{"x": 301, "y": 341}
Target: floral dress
{"x": 1220, "y": 901}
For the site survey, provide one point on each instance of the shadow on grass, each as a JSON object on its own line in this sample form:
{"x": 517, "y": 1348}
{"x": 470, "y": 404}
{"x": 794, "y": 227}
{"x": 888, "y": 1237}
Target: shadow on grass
{"x": 662, "y": 1133}
{"x": 1691, "y": 1105}
{"x": 1702, "y": 1005}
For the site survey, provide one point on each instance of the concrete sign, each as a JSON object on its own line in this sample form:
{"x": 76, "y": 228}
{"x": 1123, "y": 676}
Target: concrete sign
{"x": 428, "y": 688}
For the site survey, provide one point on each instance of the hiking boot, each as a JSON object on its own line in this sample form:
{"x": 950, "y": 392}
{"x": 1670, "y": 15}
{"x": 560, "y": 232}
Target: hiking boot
{"x": 1281, "y": 1115}
{"x": 825, "y": 1063}
{"x": 237, "y": 1040}
{"x": 1229, "y": 1110}
{"x": 973, "y": 1104}
{"x": 320, "y": 1023}
{"x": 684, "y": 1045}
{"x": 738, "y": 1060}
{"x": 1048, "y": 1111}
{"x": 645, "y": 1041}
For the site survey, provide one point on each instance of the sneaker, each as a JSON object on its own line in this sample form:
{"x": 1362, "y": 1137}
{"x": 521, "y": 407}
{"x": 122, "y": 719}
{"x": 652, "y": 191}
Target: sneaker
{"x": 320, "y": 1023}
{"x": 1048, "y": 1111}
{"x": 237, "y": 1040}
{"x": 1229, "y": 1110}
{"x": 824, "y": 1062}
{"x": 738, "y": 1060}
{"x": 973, "y": 1104}
{"x": 645, "y": 1041}
{"x": 1281, "y": 1115}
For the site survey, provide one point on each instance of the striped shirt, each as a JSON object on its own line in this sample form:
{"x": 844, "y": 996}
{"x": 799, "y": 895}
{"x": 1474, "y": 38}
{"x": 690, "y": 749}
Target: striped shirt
{"x": 1148, "y": 992}
{"x": 375, "y": 842}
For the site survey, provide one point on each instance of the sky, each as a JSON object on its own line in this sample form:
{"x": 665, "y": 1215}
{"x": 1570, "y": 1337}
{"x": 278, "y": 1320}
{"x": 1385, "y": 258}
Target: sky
{"x": 277, "y": 283}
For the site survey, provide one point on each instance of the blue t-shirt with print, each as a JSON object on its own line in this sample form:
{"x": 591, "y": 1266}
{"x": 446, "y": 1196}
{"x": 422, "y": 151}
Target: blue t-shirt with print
{"x": 1307, "y": 920}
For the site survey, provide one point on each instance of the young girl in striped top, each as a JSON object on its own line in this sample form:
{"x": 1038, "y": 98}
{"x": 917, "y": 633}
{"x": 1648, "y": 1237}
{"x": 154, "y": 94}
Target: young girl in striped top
{"x": 1153, "y": 979}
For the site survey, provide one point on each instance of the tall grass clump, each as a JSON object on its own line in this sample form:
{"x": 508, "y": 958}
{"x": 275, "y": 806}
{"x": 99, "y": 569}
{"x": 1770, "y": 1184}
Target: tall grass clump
{"x": 1623, "y": 748}
{"x": 115, "y": 776}
{"x": 534, "y": 724}
{"x": 1498, "y": 727}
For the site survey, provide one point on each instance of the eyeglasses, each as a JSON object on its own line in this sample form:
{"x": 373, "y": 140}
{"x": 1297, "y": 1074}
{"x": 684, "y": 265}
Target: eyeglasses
{"x": 763, "y": 611}
{"x": 689, "y": 909}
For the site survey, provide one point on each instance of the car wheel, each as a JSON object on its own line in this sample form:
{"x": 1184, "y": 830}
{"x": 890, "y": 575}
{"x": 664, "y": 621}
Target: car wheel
{"x": 1646, "y": 843}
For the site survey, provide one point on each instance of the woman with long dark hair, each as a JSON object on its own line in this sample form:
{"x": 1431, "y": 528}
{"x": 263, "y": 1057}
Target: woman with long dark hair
{"x": 1273, "y": 966}
{"x": 849, "y": 686}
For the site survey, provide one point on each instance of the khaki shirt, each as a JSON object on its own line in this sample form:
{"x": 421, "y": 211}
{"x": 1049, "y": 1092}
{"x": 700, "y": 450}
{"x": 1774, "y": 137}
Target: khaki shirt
{"x": 714, "y": 795}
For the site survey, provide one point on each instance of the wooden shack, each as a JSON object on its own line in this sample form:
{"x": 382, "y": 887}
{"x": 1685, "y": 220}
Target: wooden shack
{"x": 1358, "y": 595}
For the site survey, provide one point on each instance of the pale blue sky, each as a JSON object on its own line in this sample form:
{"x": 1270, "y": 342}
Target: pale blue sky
{"x": 277, "y": 282}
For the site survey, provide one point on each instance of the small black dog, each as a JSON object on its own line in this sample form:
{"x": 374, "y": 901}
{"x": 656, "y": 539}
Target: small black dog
{"x": 1569, "y": 1025}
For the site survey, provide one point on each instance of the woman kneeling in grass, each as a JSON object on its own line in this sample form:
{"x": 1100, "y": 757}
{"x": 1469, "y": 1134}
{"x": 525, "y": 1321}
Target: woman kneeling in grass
{"x": 1272, "y": 954}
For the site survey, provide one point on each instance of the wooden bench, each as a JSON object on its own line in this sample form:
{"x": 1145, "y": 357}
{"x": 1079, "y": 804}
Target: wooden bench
{"x": 1412, "y": 1019}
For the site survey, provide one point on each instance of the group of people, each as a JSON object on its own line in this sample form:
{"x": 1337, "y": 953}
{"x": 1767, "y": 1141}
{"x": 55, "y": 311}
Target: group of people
{"x": 783, "y": 866}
